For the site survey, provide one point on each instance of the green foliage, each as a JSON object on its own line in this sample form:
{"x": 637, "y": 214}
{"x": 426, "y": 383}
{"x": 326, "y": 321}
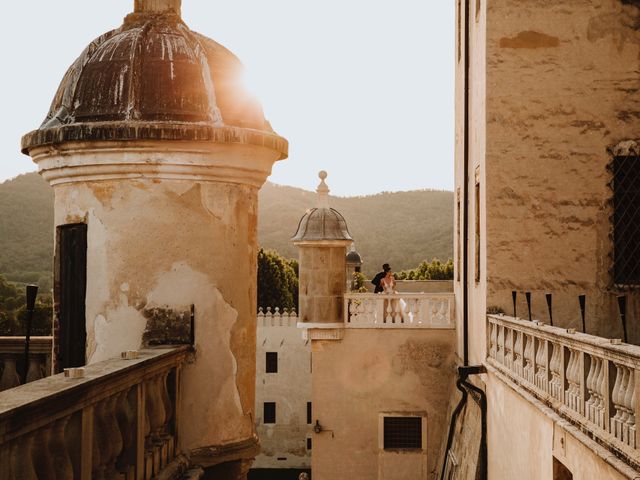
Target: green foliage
{"x": 13, "y": 313}
{"x": 434, "y": 270}
{"x": 277, "y": 280}
{"x": 358, "y": 282}
{"x": 26, "y": 223}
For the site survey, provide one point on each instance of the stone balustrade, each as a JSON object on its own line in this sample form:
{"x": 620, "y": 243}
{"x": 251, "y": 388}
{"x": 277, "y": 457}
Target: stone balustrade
{"x": 276, "y": 318}
{"x": 12, "y": 358}
{"x": 591, "y": 381}
{"x": 399, "y": 310}
{"x": 117, "y": 422}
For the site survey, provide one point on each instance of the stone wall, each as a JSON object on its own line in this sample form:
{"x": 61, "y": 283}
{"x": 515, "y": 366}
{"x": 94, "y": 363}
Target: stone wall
{"x": 371, "y": 372}
{"x": 283, "y": 444}
{"x": 562, "y": 87}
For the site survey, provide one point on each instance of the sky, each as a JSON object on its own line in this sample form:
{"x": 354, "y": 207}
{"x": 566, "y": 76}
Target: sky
{"x": 361, "y": 88}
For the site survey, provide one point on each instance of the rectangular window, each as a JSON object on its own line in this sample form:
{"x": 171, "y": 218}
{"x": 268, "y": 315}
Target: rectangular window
{"x": 308, "y": 413}
{"x": 402, "y": 433}
{"x": 269, "y": 414}
{"x": 308, "y": 444}
{"x": 626, "y": 220}
{"x": 477, "y": 224}
{"x": 272, "y": 362}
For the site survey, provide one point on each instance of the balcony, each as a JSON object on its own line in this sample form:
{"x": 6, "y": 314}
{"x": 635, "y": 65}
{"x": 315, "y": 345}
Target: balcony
{"x": 591, "y": 381}
{"x": 399, "y": 310}
{"x": 12, "y": 356}
{"x": 118, "y": 421}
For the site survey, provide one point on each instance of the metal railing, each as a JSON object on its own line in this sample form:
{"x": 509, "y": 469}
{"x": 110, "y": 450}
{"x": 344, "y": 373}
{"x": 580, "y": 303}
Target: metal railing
{"x": 591, "y": 381}
{"x": 119, "y": 421}
{"x": 399, "y": 310}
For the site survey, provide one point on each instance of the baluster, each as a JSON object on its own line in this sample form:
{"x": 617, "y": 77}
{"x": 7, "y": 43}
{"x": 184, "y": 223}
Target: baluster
{"x": 59, "y": 451}
{"x": 540, "y": 367}
{"x": 293, "y": 315}
{"x": 619, "y": 425}
{"x": 22, "y": 466}
{"x": 41, "y": 455}
{"x": 157, "y": 416}
{"x": 167, "y": 430}
{"x": 415, "y": 310}
{"x": 589, "y": 406}
{"x": 556, "y": 373}
{"x": 10, "y": 377}
{"x": 285, "y": 317}
{"x": 268, "y": 318}
{"x": 388, "y": 318}
{"x": 500, "y": 355}
{"x": 599, "y": 392}
{"x": 629, "y": 404}
{"x": 261, "y": 322}
{"x": 493, "y": 342}
{"x": 397, "y": 308}
{"x": 277, "y": 318}
{"x": 35, "y": 370}
{"x": 529, "y": 358}
{"x": 512, "y": 350}
{"x": 126, "y": 422}
{"x": 572, "y": 394}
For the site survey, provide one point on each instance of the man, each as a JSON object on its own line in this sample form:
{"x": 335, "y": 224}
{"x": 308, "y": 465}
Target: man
{"x": 378, "y": 278}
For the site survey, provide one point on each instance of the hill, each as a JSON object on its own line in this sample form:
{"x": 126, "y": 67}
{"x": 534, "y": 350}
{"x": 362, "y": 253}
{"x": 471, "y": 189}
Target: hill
{"x": 401, "y": 228}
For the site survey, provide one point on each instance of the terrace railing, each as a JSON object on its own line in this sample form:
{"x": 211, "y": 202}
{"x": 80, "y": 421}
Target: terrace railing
{"x": 12, "y": 360}
{"x": 399, "y": 310}
{"x": 591, "y": 381}
{"x": 119, "y": 421}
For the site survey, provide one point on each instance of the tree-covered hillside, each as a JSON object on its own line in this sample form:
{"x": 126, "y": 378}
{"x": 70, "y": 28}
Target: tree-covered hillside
{"x": 402, "y": 228}
{"x": 399, "y": 228}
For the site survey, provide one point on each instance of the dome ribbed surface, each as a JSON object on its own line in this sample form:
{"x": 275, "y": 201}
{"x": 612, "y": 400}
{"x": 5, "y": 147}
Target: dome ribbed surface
{"x": 320, "y": 224}
{"x": 154, "y": 78}
{"x": 354, "y": 258}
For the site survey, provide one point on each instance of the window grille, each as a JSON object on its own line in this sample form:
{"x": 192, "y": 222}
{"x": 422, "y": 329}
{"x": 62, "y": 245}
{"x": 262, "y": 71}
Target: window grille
{"x": 269, "y": 414}
{"x": 402, "y": 433}
{"x": 272, "y": 362}
{"x": 626, "y": 220}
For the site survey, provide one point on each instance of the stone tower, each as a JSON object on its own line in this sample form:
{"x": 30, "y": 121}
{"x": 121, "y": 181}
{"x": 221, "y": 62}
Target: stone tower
{"x": 156, "y": 154}
{"x": 322, "y": 238}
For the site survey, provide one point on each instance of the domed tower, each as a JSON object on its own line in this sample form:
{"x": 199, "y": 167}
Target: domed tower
{"x": 156, "y": 154}
{"x": 322, "y": 238}
{"x": 353, "y": 265}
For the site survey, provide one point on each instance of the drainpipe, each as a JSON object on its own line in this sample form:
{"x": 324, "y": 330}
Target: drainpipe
{"x": 465, "y": 210}
{"x": 463, "y": 372}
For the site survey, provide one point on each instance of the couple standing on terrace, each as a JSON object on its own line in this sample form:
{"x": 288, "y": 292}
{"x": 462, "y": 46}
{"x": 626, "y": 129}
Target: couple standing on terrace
{"x": 384, "y": 280}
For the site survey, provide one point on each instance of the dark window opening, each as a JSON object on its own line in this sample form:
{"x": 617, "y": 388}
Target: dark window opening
{"x": 70, "y": 290}
{"x": 560, "y": 472}
{"x": 269, "y": 414}
{"x": 458, "y": 236}
{"x": 272, "y": 362}
{"x": 626, "y": 220}
{"x": 477, "y": 225}
{"x": 402, "y": 433}
{"x": 308, "y": 413}
{"x": 308, "y": 444}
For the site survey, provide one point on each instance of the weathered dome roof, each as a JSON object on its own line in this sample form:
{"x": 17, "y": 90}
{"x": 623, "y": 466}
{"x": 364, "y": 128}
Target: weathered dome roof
{"x": 354, "y": 258}
{"x": 154, "y": 79}
{"x": 322, "y": 223}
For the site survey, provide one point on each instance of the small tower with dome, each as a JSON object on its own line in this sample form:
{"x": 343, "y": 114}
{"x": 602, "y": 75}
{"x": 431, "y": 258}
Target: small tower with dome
{"x": 322, "y": 238}
{"x": 156, "y": 154}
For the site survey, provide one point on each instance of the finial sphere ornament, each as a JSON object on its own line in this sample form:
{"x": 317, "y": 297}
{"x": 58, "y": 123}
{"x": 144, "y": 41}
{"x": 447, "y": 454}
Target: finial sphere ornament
{"x": 322, "y": 174}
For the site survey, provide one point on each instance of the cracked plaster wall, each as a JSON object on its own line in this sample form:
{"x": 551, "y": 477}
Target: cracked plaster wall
{"x": 169, "y": 244}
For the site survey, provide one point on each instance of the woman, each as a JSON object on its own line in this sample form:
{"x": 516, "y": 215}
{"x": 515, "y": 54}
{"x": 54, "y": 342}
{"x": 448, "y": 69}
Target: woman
{"x": 392, "y": 309}
{"x": 388, "y": 283}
